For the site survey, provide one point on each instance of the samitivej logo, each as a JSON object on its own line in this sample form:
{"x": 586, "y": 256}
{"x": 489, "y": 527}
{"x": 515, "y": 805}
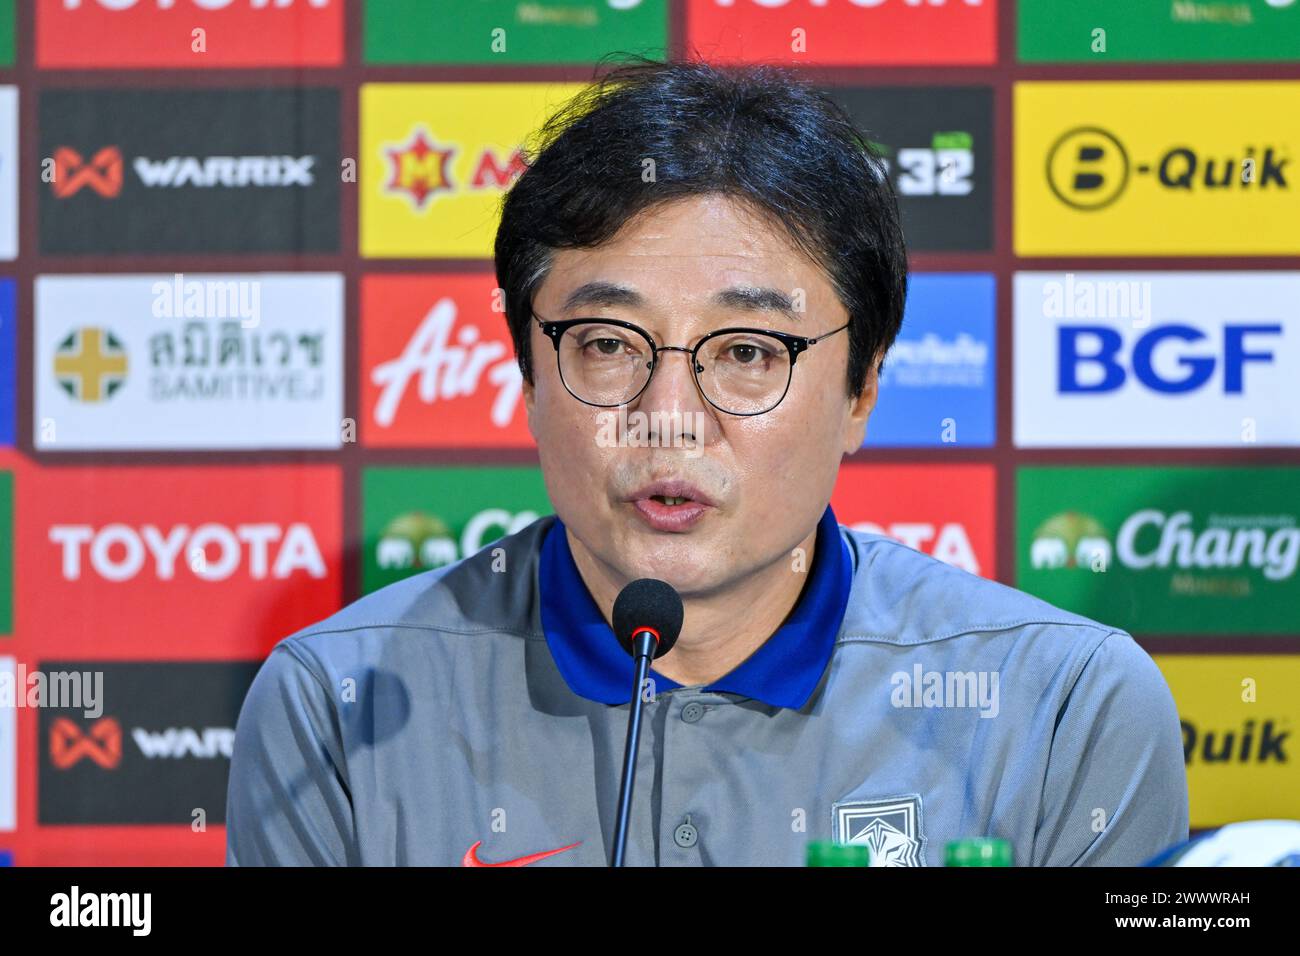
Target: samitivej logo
{"x": 90, "y": 364}
{"x": 251, "y": 360}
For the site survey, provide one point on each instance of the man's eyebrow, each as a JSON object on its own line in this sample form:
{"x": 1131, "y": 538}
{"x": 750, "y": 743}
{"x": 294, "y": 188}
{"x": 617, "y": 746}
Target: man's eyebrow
{"x": 745, "y": 298}
{"x": 757, "y": 299}
{"x": 602, "y": 293}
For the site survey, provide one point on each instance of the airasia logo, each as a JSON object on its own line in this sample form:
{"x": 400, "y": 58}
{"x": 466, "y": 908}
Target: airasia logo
{"x": 116, "y": 5}
{"x": 210, "y": 552}
{"x": 443, "y": 370}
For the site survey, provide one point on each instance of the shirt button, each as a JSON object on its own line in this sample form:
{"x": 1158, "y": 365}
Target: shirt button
{"x": 692, "y": 712}
{"x": 686, "y": 836}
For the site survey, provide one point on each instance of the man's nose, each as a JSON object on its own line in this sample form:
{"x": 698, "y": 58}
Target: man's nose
{"x": 672, "y": 389}
{"x": 672, "y": 383}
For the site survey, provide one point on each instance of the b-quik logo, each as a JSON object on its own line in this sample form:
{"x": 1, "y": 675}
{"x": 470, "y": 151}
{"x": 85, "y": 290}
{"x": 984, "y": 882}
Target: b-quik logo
{"x": 1088, "y": 168}
{"x": 1179, "y": 167}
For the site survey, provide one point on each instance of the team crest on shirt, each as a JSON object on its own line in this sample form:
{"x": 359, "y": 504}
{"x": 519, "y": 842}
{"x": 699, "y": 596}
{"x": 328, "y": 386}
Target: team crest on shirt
{"x": 891, "y": 827}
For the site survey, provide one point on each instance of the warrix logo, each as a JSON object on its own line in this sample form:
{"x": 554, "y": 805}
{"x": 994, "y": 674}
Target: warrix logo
{"x": 102, "y": 173}
{"x": 175, "y": 743}
{"x": 211, "y": 171}
{"x": 101, "y": 743}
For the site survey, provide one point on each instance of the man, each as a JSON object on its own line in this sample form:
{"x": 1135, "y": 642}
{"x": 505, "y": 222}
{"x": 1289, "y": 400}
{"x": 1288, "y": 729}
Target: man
{"x": 476, "y": 714}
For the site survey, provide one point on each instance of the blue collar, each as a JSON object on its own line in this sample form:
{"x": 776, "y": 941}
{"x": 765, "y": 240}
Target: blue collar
{"x": 783, "y": 672}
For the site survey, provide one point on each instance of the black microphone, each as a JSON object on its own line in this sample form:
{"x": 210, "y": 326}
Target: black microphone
{"x": 647, "y": 620}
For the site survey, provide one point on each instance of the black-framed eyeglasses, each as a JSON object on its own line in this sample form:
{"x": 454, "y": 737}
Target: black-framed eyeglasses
{"x": 740, "y": 371}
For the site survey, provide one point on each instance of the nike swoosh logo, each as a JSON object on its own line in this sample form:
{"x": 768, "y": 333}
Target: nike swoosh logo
{"x": 471, "y": 856}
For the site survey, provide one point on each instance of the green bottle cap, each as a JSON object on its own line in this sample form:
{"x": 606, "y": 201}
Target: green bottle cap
{"x": 827, "y": 853}
{"x": 978, "y": 851}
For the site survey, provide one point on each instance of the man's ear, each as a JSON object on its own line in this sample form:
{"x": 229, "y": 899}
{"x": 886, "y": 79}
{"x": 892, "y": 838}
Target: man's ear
{"x": 860, "y": 408}
{"x": 530, "y": 398}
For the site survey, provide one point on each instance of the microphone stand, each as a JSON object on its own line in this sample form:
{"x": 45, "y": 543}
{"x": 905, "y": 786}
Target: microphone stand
{"x": 644, "y": 642}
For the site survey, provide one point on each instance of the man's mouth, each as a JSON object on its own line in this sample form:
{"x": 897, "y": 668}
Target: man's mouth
{"x": 670, "y": 506}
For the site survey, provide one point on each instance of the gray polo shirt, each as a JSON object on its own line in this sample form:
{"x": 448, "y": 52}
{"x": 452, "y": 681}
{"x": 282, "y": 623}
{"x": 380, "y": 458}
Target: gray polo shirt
{"x": 429, "y": 723}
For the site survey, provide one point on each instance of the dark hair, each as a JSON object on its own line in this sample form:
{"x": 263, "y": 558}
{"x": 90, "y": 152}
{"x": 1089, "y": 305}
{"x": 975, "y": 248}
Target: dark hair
{"x": 757, "y": 134}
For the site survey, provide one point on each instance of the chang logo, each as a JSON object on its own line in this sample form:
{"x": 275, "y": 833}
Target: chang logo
{"x": 1070, "y": 540}
{"x": 1155, "y": 540}
{"x": 90, "y": 364}
{"x": 416, "y": 540}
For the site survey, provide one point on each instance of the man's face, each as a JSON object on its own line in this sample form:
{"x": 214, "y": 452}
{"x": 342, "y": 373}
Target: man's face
{"x": 766, "y": 478}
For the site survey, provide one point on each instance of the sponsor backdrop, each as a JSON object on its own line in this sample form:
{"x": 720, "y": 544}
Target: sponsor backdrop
{"x": 253, "y": 364}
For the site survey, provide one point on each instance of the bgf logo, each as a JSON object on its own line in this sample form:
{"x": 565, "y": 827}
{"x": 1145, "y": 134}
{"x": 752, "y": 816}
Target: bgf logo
{"x": 1171, "y": 359}
{"x": 1088, "y": 169}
